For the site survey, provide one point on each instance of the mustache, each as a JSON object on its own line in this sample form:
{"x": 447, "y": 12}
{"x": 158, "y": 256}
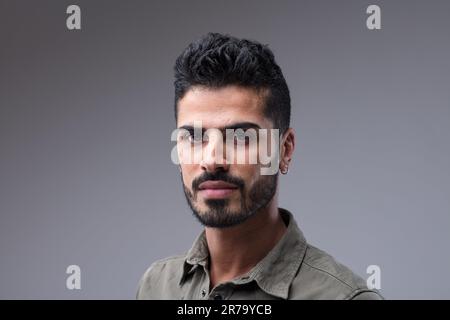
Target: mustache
{"x": 216, "y": 176}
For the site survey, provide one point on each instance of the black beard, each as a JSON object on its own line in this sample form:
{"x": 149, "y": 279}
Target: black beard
{"x": 219, "y": 215}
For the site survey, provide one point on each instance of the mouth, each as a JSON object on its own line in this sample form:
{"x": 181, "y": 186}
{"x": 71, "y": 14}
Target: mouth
{"x": 216, "y": 189}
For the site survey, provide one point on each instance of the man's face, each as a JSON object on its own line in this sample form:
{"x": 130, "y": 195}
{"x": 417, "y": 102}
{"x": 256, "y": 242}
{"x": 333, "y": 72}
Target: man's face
{"x": 220, "y": 192}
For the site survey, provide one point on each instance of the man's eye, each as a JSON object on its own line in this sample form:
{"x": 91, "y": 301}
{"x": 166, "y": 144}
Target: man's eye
{"x": 189, "y": 136}
{"x": 183, "y": 135}
{"x": 240, "y": 136}
{"x": 192, "y": 138}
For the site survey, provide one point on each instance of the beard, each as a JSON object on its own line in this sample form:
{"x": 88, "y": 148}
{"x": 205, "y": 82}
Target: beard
{"x": 219, "y": 214}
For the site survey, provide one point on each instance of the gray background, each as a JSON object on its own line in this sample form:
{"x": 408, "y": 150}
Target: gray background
{"x": 86, "y": 117}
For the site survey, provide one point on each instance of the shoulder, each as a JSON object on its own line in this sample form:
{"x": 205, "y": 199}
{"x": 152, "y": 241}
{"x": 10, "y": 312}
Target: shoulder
{"x": 322, "y": 277}
{"x": 161, "y": 279}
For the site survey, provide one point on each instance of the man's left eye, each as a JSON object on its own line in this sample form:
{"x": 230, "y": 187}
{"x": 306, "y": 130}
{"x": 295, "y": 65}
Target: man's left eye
{"x": 239, "y": 135}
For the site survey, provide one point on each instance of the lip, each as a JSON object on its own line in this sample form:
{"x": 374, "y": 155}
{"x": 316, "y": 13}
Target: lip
{"x": 216, "y": 189}
{"x": 216, "y": 185}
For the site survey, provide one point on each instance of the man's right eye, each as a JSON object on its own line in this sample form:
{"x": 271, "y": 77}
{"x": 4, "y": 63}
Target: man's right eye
{"x": 193, "y": 138}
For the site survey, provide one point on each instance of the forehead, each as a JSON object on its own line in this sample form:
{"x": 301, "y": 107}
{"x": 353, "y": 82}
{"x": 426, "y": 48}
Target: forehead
{"x": 219, "y": 107}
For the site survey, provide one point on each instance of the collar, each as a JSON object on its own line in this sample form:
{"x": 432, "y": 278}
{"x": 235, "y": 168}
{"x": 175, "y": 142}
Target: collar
{"x": 274, "y": 273}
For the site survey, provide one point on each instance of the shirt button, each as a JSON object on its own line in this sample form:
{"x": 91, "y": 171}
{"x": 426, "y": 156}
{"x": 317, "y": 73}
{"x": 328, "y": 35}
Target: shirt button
{"x": 218, "y": 297}
{"x": 203, "y": 292}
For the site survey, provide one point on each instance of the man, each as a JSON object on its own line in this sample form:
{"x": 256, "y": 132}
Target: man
{"x": 250, "y": 248}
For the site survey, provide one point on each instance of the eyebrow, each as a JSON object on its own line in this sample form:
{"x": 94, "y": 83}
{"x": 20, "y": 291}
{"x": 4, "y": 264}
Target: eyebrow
{"x": 234, "y": 126}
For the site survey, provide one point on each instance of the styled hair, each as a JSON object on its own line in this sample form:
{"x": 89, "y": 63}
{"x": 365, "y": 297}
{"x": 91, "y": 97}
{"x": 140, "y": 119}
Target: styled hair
{"x": 218, "y": 60}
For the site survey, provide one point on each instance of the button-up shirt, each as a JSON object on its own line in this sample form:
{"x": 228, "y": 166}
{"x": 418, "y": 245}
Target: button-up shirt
{"x": 293, "y": 269}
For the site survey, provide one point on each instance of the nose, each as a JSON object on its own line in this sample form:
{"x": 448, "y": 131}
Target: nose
{"x": 213, "y": 157}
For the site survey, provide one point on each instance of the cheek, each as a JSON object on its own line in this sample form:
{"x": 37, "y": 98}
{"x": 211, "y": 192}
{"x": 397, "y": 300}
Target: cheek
{"x": 248, "y": 173}
{"x": 188, "y": 173}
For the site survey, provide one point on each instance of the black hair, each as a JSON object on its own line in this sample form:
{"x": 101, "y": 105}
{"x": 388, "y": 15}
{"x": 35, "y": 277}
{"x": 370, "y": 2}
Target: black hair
{"x": 218, "y": 60}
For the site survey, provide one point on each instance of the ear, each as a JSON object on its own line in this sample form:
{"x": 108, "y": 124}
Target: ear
{"x": 287, "y": 150}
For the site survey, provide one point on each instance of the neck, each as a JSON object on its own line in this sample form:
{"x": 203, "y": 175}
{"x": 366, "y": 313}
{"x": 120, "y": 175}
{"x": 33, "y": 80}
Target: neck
{"x": 236, "y": 250}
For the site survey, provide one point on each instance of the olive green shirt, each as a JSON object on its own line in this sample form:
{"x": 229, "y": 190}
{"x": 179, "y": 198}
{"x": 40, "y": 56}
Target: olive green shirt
{"x": 293, "y": 269}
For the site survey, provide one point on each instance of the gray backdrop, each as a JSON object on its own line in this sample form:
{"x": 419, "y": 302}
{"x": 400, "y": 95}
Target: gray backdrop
{"x": 86, "y": 117}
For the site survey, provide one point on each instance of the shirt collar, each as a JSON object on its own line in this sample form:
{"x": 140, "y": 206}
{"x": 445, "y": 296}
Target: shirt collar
{"x": 274, "y": 273}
